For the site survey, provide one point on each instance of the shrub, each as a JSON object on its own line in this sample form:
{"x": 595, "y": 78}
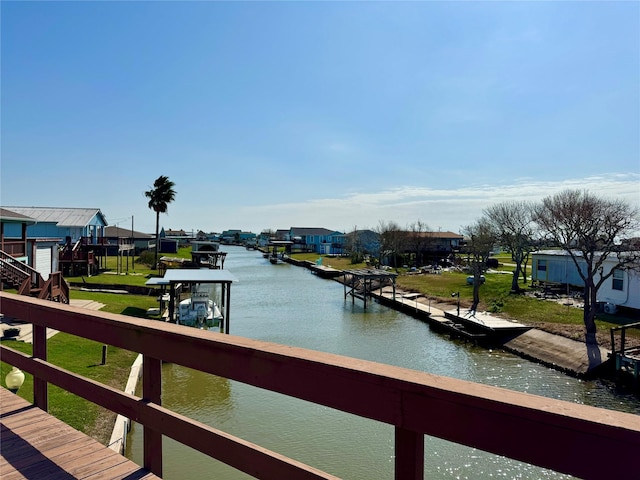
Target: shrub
{"x": 146, "y": 257}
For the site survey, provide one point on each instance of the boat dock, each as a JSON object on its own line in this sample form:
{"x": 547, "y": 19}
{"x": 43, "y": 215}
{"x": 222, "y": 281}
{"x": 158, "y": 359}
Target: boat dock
{"x": 627, "y": 359}
{"x": 569, "y": 356}
{"x": 478, "y": 328}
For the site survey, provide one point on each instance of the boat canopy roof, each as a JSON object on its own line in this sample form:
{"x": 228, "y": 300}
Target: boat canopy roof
{"x": 191, "y": 275}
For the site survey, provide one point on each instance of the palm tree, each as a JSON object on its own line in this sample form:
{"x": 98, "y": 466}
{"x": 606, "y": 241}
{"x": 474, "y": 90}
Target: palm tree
{"x": 160, "y": 197}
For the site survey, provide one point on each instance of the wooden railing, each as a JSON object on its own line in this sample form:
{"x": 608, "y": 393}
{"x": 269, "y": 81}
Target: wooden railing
{"x": 583, "y": 441}
{"x": 15, "y": 248}
{"x": 55, "y": 288}
{"x": 30, "y": 282}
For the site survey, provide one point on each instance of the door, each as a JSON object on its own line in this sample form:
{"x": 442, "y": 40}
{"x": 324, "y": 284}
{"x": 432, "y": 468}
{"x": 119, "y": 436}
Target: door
{"x": 43, "y": 261}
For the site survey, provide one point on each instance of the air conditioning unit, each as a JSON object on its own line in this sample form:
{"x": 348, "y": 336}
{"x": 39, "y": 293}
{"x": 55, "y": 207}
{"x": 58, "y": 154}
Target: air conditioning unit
{"x": 610, "y": 308}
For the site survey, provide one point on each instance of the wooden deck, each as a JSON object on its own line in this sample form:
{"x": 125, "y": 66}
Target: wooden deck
{"x": 33, "y": 444}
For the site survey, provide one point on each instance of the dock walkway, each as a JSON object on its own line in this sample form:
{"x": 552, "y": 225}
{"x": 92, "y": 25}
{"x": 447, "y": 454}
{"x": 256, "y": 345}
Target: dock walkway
{"x": 33, "y": 444}
{"x": 569, "y": 356}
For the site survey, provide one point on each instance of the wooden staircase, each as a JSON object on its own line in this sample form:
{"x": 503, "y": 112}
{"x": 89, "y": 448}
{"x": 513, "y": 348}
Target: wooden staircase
{"x": 28, "y": 281}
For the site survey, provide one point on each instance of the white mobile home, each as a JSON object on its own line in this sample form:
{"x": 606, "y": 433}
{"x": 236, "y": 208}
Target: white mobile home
{"x": 556, "y": 267}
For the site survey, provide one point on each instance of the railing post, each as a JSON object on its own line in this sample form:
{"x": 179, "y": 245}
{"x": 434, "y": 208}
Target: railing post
{"x": 409, "y": 464}
{"x": 152, "y": 393}
{"x": 40, "y": 393}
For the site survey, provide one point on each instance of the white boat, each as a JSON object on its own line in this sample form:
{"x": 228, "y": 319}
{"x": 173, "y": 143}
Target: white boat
{"x": 199, "y": 311}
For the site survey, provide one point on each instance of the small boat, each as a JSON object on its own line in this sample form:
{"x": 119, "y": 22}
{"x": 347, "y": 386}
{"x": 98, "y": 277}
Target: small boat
{"x": 277, "y": 258}
{"x": 199, "y": 310}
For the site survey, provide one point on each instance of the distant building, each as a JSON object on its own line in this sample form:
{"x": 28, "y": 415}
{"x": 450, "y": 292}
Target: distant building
{"x": 366, "y": 242}
{"x": 237, "y": 237}
{"x": 116, "y": 236}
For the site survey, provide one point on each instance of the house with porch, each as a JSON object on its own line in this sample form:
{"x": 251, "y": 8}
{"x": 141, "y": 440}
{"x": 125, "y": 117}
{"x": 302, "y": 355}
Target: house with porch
{"x": 30, "y": 265}
{"x": 77, "y": 232}
{"x": 317, "y": 240}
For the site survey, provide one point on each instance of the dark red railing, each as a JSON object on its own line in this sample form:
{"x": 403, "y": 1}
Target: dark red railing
{"x": 15, "y": 248}
{"x": 583, "y": 441}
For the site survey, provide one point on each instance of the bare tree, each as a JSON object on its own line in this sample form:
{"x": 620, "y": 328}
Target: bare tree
{"x": 391, "y": 241}
{"x": 354, "y": 246}
{"x": 513, "y": 223}
{"x": 481, "y": 237}
{"x": 418, "y": 239}
{"x": 590, "y": 229}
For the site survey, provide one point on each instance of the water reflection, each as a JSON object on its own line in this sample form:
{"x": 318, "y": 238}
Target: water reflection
{"x": 190, "y": 391}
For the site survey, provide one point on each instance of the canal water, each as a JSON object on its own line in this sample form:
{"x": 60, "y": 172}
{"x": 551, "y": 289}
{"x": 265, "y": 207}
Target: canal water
{"x": 289, "y": 305}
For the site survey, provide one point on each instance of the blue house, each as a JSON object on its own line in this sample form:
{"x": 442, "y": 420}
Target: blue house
{"x": 80, "y": 231}
{"x": 317, "y": 240}
{"x": 61, "y": 223}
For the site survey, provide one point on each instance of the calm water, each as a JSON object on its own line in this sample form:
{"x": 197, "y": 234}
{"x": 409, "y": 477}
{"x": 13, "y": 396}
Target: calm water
{"x": 289, "y": 305}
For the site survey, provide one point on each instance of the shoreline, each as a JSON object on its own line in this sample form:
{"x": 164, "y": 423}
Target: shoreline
{"x": 561, "y": 353}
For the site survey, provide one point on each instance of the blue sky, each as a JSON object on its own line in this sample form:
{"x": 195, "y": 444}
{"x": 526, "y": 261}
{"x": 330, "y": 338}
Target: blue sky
{"x": 317, "y": 114}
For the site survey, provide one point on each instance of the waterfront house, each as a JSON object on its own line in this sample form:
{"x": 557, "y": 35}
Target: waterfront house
{"x": 556, "y": 268}
{"x": 366, "y": 242}
{"x": 119, "y": 236}
{"x": 316, "y": 240}
{"x": 62, "y": 223}
{"x": 39, "y": 253}
{"x": 78, "y": 231}
{"x": 30, "y": 265}
{"x": 237, "y": 237}
{"x": 13, "y": 234}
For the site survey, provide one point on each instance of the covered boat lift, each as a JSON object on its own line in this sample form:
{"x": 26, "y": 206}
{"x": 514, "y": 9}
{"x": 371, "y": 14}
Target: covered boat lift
{"x": 178, "y": 276}
{"x": 361, "y": 283}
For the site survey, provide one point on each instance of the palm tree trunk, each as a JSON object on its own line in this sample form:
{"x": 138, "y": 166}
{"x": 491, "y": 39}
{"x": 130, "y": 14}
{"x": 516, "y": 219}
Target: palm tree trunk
{"x": 155, "y": 262}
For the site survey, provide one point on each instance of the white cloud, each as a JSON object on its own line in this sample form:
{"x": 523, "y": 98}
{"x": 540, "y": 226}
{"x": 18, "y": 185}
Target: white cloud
{"x": 446, "y": 209}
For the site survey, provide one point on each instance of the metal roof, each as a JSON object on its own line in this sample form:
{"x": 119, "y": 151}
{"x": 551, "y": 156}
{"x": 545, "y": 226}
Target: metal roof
{"x": 312, "y": 231}
{"x": 9, "y": 216}
{"x": 116, "y": 231}
{"x": 63, "y": 217}
{"x": 191, "y": 275}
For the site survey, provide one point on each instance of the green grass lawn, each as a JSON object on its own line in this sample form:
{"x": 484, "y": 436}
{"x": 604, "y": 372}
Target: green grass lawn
{"x": 339, "y": 263}
{"x": 137, "y": 274}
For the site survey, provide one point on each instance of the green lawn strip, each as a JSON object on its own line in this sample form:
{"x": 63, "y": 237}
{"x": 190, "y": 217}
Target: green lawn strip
{"x": 339, "y": 263}
{"x": 125, "y": 304}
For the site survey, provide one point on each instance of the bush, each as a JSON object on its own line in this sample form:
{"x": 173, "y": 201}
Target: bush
{"x": 146, "y": 258}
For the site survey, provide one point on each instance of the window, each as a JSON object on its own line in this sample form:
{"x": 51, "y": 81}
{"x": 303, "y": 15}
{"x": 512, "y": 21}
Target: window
{"x": 542, "y": 265}
{"x": 618, "y": 279}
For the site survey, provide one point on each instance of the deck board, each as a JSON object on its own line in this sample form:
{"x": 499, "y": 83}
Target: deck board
{"x": 33, "y": 444}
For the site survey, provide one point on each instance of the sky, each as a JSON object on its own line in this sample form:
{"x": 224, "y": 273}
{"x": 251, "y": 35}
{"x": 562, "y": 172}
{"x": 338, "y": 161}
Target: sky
{"x": 342, "y": 115}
